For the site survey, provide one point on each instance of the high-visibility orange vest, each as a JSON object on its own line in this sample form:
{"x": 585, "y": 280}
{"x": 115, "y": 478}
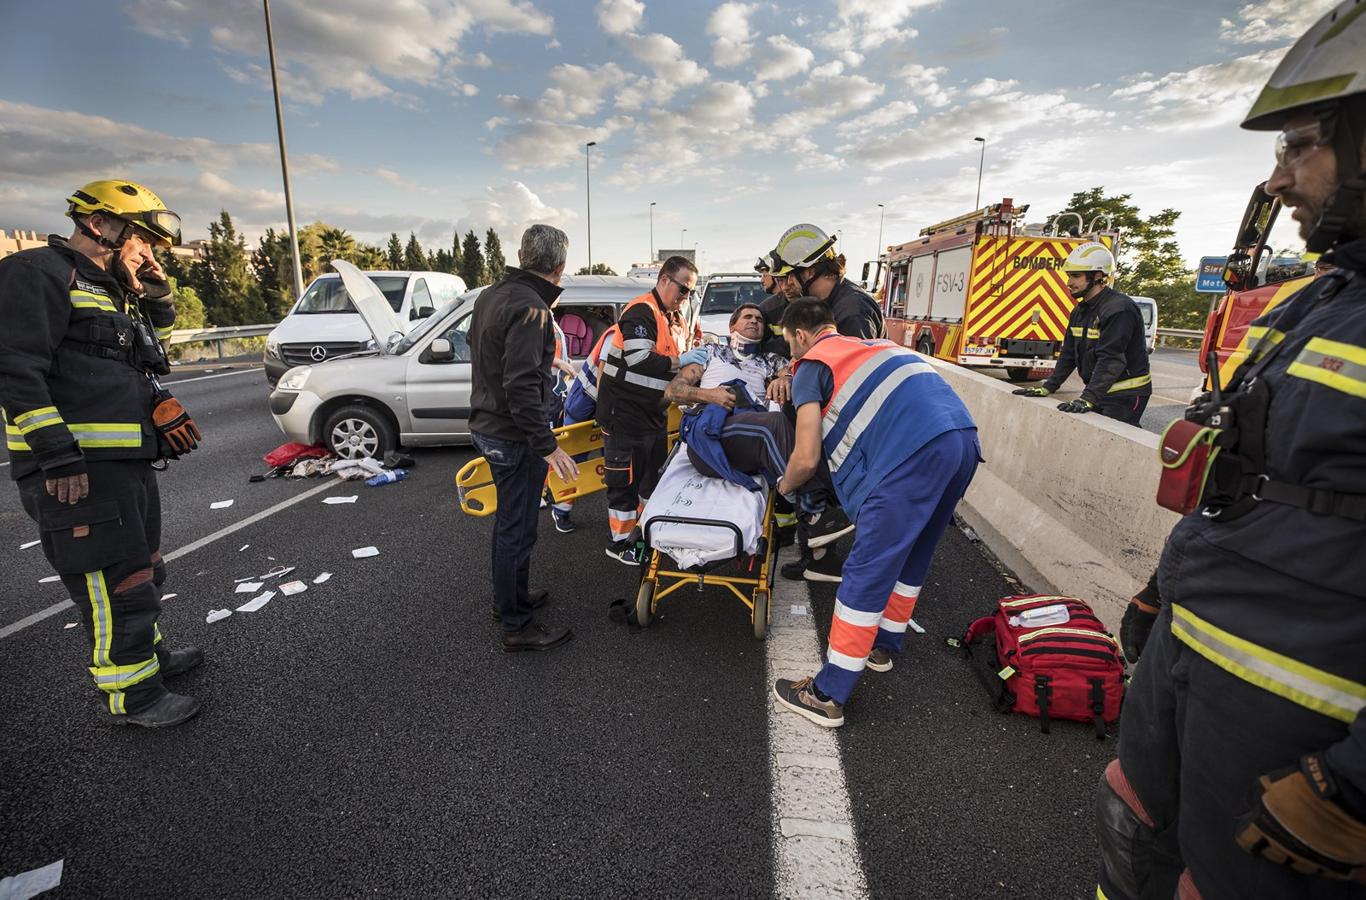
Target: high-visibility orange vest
{"x": 665, "y": 344}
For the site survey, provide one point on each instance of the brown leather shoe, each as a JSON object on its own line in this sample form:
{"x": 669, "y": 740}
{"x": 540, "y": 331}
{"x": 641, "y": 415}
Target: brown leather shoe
{"x": 536, "y": 637}
{"x": 539, "y": 597}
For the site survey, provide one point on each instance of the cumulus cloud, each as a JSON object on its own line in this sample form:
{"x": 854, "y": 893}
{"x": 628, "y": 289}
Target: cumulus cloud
{"x": 729, "y": 25}
{"x": 620, "y": 16}
{"x": 538, "y": 144}
{"x": 783, "y": 59}
{"x": 1205, "y": 96}
{"x": 837, "y": 93}
{"x": 575, "y": 92}
{"x": 989, "y": 86}
{"x": 508, "y": 209}
{"x": 1272, "y": 21}
{"x": 389, "y": 176}
{"x": 924, "y": 82}
{"x": 868, "y": 24}
{"x": 883, "y": 116}
{"x": 721, "y": 106}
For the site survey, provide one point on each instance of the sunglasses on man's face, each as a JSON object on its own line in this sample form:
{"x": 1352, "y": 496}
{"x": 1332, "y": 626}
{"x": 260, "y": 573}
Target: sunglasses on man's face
{"x": 682, "y": 288}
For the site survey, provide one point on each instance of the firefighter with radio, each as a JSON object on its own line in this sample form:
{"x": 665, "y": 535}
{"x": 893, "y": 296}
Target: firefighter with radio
{"x": 1242, "y": 750}
{"x": 86, "y": 422}
{"x": 1104, "y": 342}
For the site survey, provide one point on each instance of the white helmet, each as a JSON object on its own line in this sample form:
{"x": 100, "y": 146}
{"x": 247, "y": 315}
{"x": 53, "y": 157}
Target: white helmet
{"x": 1327, "y": 63}
{"x": 1092, "y": 256}
{"x": 801, "y": 246}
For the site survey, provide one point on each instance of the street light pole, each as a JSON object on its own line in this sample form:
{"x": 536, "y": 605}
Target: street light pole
{"x": 980, "y": 163}
{"x": 284, "y": 160}
{"x": 680, "y": 237}
{"x": 882, "y": 218}
{"x": 588, "y": 181}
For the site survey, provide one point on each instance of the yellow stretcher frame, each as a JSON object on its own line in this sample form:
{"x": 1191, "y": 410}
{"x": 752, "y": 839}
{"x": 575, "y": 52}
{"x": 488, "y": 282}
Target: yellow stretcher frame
{"x": 479, "y": 497}
{"x": 759, "y": 601}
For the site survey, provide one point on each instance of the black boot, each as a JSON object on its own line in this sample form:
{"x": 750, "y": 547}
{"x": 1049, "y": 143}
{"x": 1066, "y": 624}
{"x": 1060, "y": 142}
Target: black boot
{"x": 178, "y": 662}
{"x": 171, "y": 709}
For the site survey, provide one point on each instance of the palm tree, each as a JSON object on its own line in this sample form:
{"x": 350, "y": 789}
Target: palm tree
{"x": 335, "y": 243}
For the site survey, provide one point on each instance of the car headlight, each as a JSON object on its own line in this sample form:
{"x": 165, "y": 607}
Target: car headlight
{"x": 295, "y": 379}
{"x": 272, "y": 348}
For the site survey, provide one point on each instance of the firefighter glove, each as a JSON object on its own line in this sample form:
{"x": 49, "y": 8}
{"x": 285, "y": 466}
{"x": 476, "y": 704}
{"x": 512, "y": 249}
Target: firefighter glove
{"x": 1039, "y": 391}
{"x": 1135, "y": 627}
{"x": 1295, "y": 822}
{"x": 1079, "y": 405}
{"x": 177, "y": 429}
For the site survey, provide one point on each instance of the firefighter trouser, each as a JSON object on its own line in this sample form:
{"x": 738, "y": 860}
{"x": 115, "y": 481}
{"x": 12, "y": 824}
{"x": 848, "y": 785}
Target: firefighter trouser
{"x": 1193, "y": 740}
{"x": 899, "y": 525}
{"x": 1128, "y": 410}
{"x": 105, "y": 548}
{"x": 631, "y": 469}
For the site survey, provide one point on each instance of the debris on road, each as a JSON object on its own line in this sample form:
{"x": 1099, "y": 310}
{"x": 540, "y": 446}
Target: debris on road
{"x": 248, "y": 587}
{"x": 332, "y": 501}
{"x": 29, "y": 544}
{"x": 396, "y": 460}
{"x": 216, "y": 614}
{"x": 290, "y": 588}
{"x": 365, "y": 552}
{"x": 243, "y": 547}
{"x": 220, "y": 504}
{"x": 256, "y": 603}
{"x": 31, "y": 883}
{"x": 323, "y": 578}
{"x": 279, "y": 571}
{"x": 355, "y": 469}
{"x": 49, "y": 579}
{"x": 70, "y": 625}
{"x": 236, "y": 580}
{"x": 915, "y": 626}
{"x": 799, "y": 609}
{"x": 169, "y": 596}
{"x": 388, "y": 476}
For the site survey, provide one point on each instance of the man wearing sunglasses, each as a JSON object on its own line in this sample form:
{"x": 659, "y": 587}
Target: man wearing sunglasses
{"x": 637, "y": 367}
{"x": 1242, "y": 749}
{"x": 78, "y": 351}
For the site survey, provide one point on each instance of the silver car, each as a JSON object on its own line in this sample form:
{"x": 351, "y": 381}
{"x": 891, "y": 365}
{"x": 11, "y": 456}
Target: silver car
{"x": 414, "y": 389}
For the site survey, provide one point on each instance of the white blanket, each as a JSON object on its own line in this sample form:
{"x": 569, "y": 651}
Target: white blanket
{"x": 683, "y": 491}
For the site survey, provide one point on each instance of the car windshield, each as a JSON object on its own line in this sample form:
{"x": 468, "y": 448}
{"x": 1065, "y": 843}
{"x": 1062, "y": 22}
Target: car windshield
{"x": 426, "y": 325}
{"x": 726, "y": 296}
{"x": 328, "y": 295}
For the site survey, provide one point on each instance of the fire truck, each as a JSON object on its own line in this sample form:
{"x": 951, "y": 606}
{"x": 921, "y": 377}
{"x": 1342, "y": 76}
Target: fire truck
{"x": 985, "y": 290}
{"x": 1256, "y": 284}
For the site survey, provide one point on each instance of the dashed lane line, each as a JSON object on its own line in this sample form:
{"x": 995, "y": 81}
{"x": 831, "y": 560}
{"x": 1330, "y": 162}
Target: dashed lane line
{"x": 815, "y": 852}
{"x": 219, "y": 375}
{"x": 55, "y": 608}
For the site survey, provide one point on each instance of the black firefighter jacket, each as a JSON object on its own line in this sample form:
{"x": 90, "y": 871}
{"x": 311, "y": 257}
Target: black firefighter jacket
{"x": 1105, "y": 342}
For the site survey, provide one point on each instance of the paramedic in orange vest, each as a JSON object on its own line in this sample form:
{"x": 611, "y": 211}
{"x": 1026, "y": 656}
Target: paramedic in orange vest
{"x": 637, "y": 366}
{"x": 901, "y": 449}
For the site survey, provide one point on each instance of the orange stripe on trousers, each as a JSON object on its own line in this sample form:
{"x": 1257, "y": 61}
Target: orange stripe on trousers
{"x": 852, "y": 640}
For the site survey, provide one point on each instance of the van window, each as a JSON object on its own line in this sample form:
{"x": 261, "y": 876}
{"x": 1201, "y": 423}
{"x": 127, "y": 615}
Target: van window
{"x": 422, "y": 298}
{"x": 1147, "y": 312}
{"x": 459, "y": 336}
{"x": 328, "y": 295}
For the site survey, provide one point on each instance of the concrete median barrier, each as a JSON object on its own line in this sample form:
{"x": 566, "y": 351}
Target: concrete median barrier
{"x": 1067, "y": 501}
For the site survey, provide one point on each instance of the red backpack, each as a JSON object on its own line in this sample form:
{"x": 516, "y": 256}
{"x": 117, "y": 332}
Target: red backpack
{"x": 1052, "y": 670}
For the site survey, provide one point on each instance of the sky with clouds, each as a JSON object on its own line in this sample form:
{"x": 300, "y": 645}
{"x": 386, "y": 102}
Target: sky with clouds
{"x": 737, "y": 119}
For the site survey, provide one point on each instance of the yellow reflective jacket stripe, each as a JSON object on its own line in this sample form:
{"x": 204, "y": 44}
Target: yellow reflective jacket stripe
{"x": 1129, "y": 384}
{"x": 37, "y": 418}
{"x": 1092, "y": 333}
{"x": 87, "y": 300}
{"x": 1259, "y": 339}
{"x": 164, "y": 333}
{"x": 1333, "y": 364}
{"x": 94, "y": 435}
{"x": 119, "y": 678}
{"x": 1310, "y": 687}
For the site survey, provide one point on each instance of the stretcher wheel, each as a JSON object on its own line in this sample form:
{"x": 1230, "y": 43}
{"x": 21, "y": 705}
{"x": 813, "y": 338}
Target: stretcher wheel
{"x": 644, "y": 597}
{"x": 760, "y": 613}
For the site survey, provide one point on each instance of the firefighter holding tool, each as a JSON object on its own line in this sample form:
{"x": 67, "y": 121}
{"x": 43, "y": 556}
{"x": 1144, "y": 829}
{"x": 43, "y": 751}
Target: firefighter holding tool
{"x": 86, "y": 423}
{"x": 1104, "y": 342}
{"x": 1242, "y": 749}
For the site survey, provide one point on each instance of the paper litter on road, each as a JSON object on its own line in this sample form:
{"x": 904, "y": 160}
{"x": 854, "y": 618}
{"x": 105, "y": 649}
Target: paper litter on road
{"x": 256, "y": 602}
{"x": 239, "y": 580}
{"x": 322, "y": 579}
{"x": 220, "y": 504}
{"x": 243, "y": 547}
{"x": 31, "y": 883}
{"x": 29, "y": 544}
{"x": 279, "y": 571}
{"x": 332, "y": 501}
{"x": 70, "y": 625}
{"x": 799, "y": 609}
{"x": 915, "y": 626}
{"x": 49, "y": 579}
{"x": 169, "y": 596}
{"x": 364, "y": 552}
{"x": 290, "y": 588}
{"x": 216, "y": 614}
{"x": 248, "y": 587}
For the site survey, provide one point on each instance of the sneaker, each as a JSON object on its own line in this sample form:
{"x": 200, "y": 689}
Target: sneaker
{"x": 802, "y": 698}
{"x": 827, "y": 527}
{"x": 563, "y": 523}
{"x": 827, "y": 568}
{"x": 880, "y": 660}
{"x": 624, "y": 552}
{"x": 795, "y": 570}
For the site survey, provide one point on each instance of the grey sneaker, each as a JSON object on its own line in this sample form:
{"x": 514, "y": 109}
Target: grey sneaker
{"x": 880, "y": 660}
{"x": 624, "y": 552}
{"x": 801, "y": 697}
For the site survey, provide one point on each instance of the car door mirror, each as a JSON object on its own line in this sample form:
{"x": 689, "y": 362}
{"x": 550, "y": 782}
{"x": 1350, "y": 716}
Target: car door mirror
{"x": 441, "y": 351}
{"x": 423, "y": 313}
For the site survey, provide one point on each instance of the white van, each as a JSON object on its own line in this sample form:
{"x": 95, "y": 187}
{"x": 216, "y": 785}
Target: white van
{"x": 1148, "y": 307}
{"x": 324, "y": 323}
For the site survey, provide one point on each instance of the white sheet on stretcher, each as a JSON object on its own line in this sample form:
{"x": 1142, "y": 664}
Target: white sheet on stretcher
{"x": 683, "y": 491}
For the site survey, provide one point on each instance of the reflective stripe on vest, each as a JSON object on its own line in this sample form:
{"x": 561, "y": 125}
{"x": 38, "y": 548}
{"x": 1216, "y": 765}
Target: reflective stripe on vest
{"x": 1310, "y": 687}
{"x": 91, "y": 435}
{"x": 1092, "y": 333}
{"x": 87, "y": 300}
{"x": 1333, "y": 364}
{"x": 164, "y": 334}
{"x": 664, "y": 343}
{"x": 1129, "y": 384}
{"x": 37, "y": 418}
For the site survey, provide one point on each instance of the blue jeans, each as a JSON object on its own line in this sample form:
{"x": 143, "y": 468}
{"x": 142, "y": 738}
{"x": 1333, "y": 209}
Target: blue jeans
{"x": 519, "y": 475}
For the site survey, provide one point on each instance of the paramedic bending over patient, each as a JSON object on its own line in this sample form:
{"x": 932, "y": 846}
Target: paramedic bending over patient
{"x": 902, "y": 450}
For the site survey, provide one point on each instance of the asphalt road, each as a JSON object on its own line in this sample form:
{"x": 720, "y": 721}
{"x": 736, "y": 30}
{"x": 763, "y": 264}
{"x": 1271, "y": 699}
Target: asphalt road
{"x": 368, "y": 737}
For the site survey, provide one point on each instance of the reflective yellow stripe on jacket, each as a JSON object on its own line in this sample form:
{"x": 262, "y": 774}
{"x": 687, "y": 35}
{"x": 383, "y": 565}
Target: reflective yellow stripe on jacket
{"x": 1128, "y": 384}
{"x": 87, "y": 300}
{"x": 94, "y": 435}
{"x": 1323, "y": 692}
{"x": 1333, "y": 364}
{"x": 1092, "y": 333}
{"x": 34, "y": 419}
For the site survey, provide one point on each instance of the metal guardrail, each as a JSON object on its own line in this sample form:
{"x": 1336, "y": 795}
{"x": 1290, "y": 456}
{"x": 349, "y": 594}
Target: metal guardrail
{"x": 217, "y": 336}
{"x": 1167, "y": 337}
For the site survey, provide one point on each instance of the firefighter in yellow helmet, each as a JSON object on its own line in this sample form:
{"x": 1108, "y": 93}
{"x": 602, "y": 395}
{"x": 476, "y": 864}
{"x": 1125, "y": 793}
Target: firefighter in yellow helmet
{"x": 1104, "y": 342}
{"x": 85, "y": 422}
{"x": 1242, "y": 747}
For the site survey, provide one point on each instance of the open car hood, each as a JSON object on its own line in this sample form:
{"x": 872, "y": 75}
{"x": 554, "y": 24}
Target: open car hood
{"x": 379, "y": 316}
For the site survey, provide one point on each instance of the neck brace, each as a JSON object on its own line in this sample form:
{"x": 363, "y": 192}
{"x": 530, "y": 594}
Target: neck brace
{"x": 743, "y": 346}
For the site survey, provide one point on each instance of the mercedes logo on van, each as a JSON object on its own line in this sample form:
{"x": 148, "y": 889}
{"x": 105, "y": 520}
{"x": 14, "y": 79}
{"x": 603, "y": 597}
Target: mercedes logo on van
{"x": 318, "y": 353}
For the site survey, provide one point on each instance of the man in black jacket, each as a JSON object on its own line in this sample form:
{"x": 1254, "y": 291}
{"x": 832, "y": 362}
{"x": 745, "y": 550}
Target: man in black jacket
{"x": 1104, "y": 341}
{"x": 512, "y": 347}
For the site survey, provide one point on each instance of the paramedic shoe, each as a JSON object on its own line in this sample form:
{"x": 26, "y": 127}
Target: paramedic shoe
{"x": 563, "y": 523}
{"x": 827, "y": 527}
{"x": 171, "y": 709}
{"x": 880, "y": 660}
{"x": 624, "y": 552}
{"x": 802, "y": 699}
{"x": 536, "y": 637}
{"x": 796, "y": 569}
{"x": 178, "y": 662}
{"x": 538, "y": 598}
{"x": 826, "y": 568}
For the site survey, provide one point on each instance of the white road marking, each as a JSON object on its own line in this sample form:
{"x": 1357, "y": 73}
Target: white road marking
{"x": 815, "y": 851}
{"x": 55, "y": 608}
{"x": 207, "y": 377}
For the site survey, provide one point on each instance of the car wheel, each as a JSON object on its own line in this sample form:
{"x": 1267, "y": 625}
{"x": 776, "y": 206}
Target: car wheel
{"x": 1017, "y": 373}
{"x": 925, "y": 346}
{"x": 357, "y": 431}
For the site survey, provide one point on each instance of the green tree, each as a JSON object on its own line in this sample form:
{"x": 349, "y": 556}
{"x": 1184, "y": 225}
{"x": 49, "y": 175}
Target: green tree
{"x": 189, "y": 309}
{"x": 369, "y": 257}
{"x": 443, "y": 261}
{"x": 394, "y": 251}
{"x": 271, "y": 262}
{"x": 224, "y": 280}
{"x": 598, "y": 269}
{"x": 335, "y": 243}
{"x": 494, "y": 263}
{"x": 471, "y": 261}
{"x": 414, "y": 259}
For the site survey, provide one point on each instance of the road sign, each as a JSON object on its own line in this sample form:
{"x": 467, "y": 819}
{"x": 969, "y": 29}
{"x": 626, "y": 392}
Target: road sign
{"x": 1209, "y": 278}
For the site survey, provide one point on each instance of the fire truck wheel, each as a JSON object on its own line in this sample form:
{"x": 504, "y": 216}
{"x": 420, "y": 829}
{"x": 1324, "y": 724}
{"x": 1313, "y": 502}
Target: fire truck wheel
{"x": 925, "y": 346}
{"x": 1017, "y": 373}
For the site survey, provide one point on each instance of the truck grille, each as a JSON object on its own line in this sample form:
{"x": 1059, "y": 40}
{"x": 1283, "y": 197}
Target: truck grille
{"x": 307, "y": 354}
